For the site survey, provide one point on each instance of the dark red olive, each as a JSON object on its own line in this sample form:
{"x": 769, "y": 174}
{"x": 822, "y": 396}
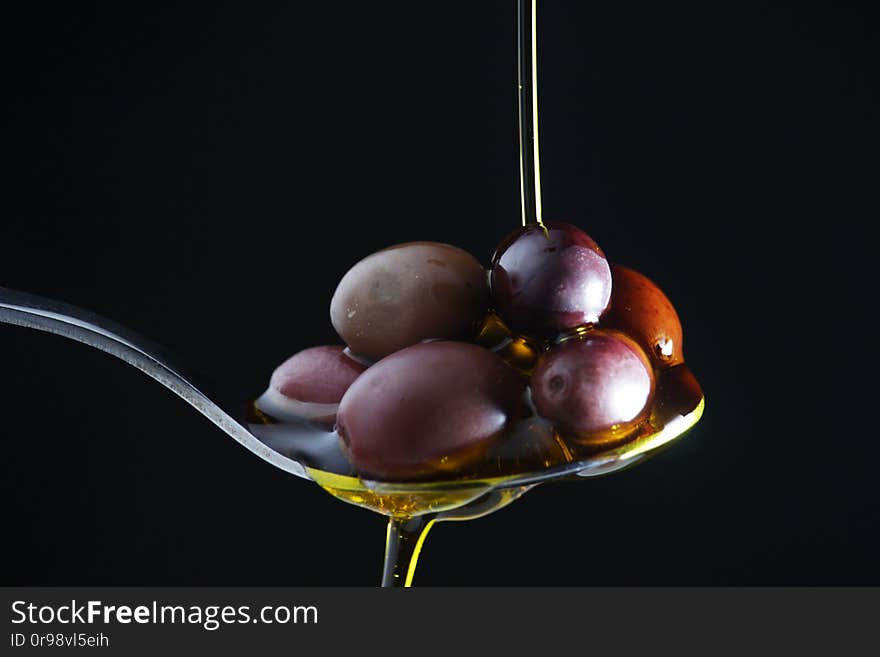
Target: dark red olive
{"x": 318, "y": 374}
{"x": 641, "y": 310}
{"x": 549, "y": 279}
{"x": 310, "y": 384}
{"x": 427, "y": 410}
{"x": 594, "y": 386}
{"x": 407, "y": 293}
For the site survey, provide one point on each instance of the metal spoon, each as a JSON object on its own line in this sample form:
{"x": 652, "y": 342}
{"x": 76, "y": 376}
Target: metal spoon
{"x": 101, "y": 333}
{"x": 222, "y": 409}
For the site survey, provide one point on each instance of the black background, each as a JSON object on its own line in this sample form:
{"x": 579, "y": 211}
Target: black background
{"x": 206, "y": 175}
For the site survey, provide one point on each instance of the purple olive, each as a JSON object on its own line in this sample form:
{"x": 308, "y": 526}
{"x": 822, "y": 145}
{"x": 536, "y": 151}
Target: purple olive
{"x": 594, "y": 387}
{"x": 427, "y": 410}
{"x": 407, "y": 293}
{"x": 550, "y": 279}
{"x": 310, "y": 384}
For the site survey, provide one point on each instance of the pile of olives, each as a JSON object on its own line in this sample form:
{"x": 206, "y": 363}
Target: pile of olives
{"x": 443, "y": 356}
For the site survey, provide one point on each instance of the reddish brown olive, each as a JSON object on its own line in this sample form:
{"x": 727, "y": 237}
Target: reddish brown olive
{"x": 640, "y": 309}
{"x": 407, "y": 293}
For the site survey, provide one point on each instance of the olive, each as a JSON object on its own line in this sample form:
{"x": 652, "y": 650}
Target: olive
{"x": 641, "y": 310}
{"x": 310, "y": 384}
{"x": 407, "y": 293}
{"x": 595, "y": 387}
{"x": 427, "y": 410}
{"x": 550, "y": 278}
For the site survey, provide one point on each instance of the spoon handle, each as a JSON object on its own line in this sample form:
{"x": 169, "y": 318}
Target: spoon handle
{"x": 63, "y": 319}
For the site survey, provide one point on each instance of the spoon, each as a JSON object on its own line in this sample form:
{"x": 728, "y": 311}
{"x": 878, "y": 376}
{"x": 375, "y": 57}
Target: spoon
{"x": 63, "y": 319}
{"x": 223, "y": 409}
{"x": 437, "y": 501}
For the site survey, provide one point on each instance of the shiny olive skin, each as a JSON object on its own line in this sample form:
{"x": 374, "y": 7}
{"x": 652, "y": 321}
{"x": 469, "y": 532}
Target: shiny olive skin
{"x": 319, "y": 375}
{"x": 640, "y": 309}
{"x": 407, "y": 293}
{"x": 595, "y": 385}
{"x": 545, "y": 280}
{"x": 427, "y": 410}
